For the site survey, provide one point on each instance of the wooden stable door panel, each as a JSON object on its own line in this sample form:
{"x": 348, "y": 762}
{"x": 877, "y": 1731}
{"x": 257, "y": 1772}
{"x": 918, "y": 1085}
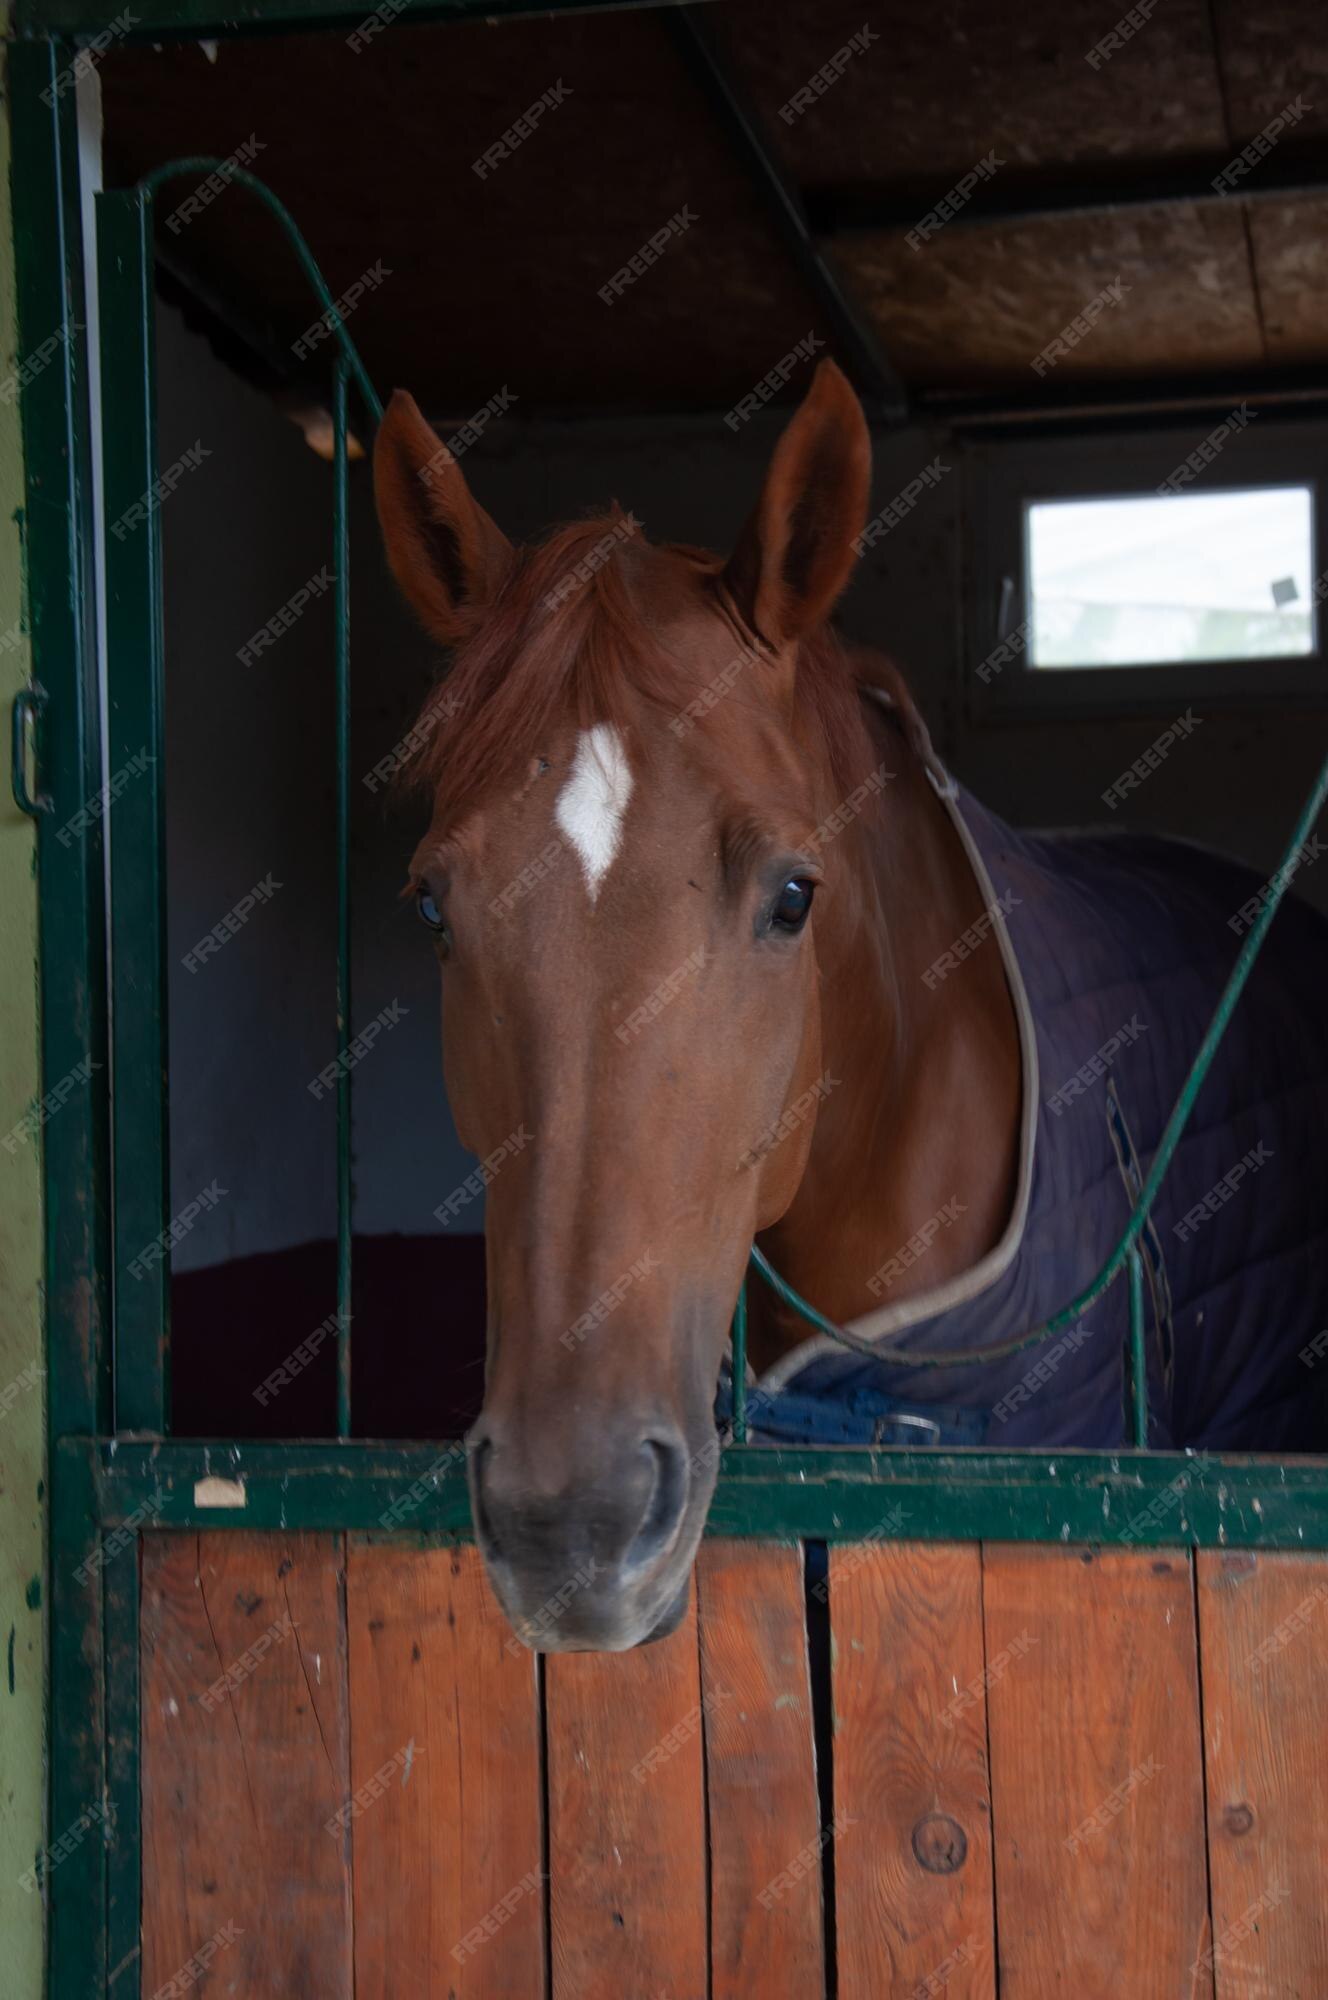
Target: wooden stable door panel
{"x": 766, "y": 1932}
{"x": 446, "y": 1829}
{"x": 912, "y": 1851}
{"x": 627, "y": 1859}
{"x": 1097, "y": 1774}
{"x": 244, "y": 1765}
{"x": 1263, "y": 1629}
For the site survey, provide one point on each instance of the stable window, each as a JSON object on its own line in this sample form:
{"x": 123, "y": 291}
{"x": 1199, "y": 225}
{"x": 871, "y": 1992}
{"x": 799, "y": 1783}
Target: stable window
{"x": 1170, "y": 578}
{"x": 1165, "y": 567}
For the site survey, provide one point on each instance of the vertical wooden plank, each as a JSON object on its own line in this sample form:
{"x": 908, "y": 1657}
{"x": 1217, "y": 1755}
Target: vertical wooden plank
{"x": 244, "y": 1763}
{"x": 449, "y": 1889}
{"x": 765, "y": 1899}
{"x": 913, "y": 1864}
{"x": 1097, "y": 1778}
{"x": 1263, "y": 1639}
{"x": 627, "y": 1839}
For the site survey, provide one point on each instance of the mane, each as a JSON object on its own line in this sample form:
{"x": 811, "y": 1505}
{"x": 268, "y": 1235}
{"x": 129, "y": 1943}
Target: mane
{"x": 566, "y": 640}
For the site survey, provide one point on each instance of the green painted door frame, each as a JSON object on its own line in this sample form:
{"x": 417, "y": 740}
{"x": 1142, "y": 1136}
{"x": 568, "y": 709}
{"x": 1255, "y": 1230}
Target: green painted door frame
{"x": 60, "y": 614}
{"x": 22, "y": 1415}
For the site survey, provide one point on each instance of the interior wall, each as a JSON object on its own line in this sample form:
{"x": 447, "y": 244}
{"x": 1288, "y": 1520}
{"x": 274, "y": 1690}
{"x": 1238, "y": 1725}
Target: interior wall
{"x": 249, "y": 801}
{"x": 250, "y": 754}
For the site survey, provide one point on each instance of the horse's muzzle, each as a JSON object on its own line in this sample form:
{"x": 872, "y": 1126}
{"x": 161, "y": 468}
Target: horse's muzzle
{"x": 598, "y": 1561}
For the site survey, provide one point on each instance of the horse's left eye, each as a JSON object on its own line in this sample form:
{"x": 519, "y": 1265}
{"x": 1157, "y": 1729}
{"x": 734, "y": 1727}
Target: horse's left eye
{"x": 793, "y": 905}
{"x": 430, "y": 914}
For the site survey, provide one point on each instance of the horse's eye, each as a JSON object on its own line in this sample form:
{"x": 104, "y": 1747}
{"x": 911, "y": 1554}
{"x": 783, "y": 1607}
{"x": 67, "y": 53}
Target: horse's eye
{"x": 430, "y": 914}
{"x": 793, "y": 905}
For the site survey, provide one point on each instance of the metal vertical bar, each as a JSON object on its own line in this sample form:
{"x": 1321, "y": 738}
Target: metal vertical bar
{"x": 48, "y": 241}
{"x": 341, "y": 605}
{"x": 78, "y": 1887}
{"x": 136, "y": 814}
{"x": 1138, "y": 1359}
{"x": 124, "y": 1831}
{"x": 740, "y": 1366}
{"x": 60, "y": 601}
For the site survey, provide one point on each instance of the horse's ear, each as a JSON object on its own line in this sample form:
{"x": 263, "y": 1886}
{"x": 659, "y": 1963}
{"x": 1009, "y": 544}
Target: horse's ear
{"x": 446, "y": 553}
{"x": 797, "y": 551}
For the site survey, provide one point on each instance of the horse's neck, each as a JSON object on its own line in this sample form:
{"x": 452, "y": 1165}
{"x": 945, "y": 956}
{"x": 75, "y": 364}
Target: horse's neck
{"x": 921, "y": 1108}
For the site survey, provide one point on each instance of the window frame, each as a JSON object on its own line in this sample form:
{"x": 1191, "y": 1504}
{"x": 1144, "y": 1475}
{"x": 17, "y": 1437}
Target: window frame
{"x": 1006, "y": 476}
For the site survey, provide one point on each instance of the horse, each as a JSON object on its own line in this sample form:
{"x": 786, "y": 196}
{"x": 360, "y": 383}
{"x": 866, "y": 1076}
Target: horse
{"x": 727, "y": 957}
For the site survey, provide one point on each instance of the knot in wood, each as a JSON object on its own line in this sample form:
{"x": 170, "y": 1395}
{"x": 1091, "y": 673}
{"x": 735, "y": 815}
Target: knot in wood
{"x": 940, "y": 1844}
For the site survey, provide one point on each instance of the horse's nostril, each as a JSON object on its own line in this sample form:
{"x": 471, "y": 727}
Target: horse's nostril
{"x": 668, "y": 1502}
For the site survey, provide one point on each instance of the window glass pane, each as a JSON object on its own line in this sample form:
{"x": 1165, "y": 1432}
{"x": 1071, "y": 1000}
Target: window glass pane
{"x": 1171, "y": 578}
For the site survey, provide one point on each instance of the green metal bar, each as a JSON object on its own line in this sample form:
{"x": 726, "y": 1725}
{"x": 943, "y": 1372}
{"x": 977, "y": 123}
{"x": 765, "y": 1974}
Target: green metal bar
{"x": 203, "y": 164}
{"x": 136, "y": 758}
{"x": 124, "y": 1859}
{"x": 740, "y": 1366}
{"x": 341, "y": 610}
{"x": 130, "y": 216}
{"x": 61, "y": 622}
{"x": 76, "y": 1888}
{"x": 48, "y": 242}
{"x": 1130, "y": 1498}
{"x": 1171, "y": 1137}
{"x": 1137, "y": 1357}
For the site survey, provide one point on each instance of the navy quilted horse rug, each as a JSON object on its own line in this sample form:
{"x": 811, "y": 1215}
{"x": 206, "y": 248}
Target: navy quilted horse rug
{"x": 1116, "y": 947}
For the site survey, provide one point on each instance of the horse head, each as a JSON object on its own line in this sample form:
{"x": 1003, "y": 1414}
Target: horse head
{"x": 628, "y": 762}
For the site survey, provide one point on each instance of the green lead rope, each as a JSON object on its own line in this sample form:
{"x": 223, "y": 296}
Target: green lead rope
{"x": 204, "y": 163}
{"x": 346, "y": 366}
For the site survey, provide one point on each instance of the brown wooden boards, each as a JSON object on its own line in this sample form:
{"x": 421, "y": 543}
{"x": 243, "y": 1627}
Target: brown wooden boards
{"x": 310, "y": 1758}
{"x": 627, "y": 1847}
{"x": 765, "y": 1873}
{"x": 446, "y": 1818}
{"x": 1263, "y": 1634}
{"x": 1096, "y": 1767}
{"x": 244, "y": 1764}
{"x": 913, "y": 1884}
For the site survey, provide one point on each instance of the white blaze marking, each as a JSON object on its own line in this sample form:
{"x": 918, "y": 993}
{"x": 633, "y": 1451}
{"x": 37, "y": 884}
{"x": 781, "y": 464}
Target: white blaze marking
{"x": 592, "y": 803}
